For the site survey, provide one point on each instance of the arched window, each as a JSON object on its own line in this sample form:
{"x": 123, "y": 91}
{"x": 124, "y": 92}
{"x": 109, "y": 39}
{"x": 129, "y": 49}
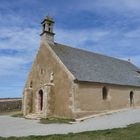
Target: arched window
{"x": 104, "y": 93}
{"x": 31, "y": 84}
{"x": 131, "y": 95}
{"x": 41, "y": 100}
{"x": 49, "y": 27}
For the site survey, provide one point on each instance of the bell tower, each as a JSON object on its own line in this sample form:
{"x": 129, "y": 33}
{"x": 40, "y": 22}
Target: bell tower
{"x": 47, "y": 29}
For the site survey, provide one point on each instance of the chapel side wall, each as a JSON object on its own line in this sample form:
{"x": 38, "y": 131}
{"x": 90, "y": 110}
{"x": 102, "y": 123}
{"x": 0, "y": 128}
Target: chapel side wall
{"x": 59, "y": 98}
{"x": 89, "y": 100}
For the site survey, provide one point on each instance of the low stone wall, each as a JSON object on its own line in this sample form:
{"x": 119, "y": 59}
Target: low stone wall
{"x": 7, "y": 105}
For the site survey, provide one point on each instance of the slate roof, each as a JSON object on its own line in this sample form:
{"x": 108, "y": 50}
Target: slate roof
{"x": 92, "y": 67}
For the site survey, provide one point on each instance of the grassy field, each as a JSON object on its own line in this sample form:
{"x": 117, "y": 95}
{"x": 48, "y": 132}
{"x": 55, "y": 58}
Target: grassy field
{"x": 132, "y": 132}
{"x": 56, "y": 120}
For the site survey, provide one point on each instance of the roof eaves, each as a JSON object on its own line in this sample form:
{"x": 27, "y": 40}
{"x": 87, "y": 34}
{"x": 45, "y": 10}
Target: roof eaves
{"x": 94, "y": 82}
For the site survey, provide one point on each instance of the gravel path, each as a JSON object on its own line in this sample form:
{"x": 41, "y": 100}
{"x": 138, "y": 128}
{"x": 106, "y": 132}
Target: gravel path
{"x": 10, "y": 126}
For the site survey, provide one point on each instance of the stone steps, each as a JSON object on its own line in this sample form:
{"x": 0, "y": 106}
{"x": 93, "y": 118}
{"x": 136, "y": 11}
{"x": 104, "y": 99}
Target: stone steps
{"x": 33, "y": 116}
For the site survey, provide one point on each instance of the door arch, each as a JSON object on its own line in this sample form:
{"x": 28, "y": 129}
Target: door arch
{"x": 41, "y": 100}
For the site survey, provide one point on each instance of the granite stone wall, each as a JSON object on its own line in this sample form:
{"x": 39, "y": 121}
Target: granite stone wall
{"x": 7, "y": 105}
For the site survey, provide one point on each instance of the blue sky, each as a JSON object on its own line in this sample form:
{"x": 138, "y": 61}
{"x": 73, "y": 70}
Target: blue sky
{"x": 110, "y": 27}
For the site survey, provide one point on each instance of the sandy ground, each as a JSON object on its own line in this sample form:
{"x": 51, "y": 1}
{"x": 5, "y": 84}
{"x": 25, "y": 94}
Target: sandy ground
{"x": 10, "y": 126}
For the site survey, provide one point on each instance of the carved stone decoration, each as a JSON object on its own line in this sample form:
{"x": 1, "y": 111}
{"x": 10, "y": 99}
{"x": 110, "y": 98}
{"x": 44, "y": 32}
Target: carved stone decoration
{"x": 52, "y": 77}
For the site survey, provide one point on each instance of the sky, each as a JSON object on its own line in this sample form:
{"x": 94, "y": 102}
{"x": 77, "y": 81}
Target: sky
{"x": 110, "y": 27}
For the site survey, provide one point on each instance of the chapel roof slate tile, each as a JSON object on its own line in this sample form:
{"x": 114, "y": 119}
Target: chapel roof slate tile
{"x": 92, "y": 67}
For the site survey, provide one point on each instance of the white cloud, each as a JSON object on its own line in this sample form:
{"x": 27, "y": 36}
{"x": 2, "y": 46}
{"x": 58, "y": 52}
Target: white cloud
{"x": 133, "y": 34}
{"x": 116, "y": 43}
{"x": 11, "y": 65}
{"x": 25, "y": 42}
{"x": 19, "y": 38}
{"x": 78, "y": 37}
{"x": 110, "y": 42}
{"x": 103, "y": 6}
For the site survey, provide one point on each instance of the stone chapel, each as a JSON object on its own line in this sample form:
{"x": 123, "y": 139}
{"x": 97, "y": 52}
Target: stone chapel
{"x": 68, "y": 82}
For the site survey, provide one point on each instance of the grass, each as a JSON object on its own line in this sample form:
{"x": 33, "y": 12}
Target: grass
{"x": 17, "y": 114}
{"x": 55, "y": 120}
{"x": 10, "y": 112}
{"x": 132, "y": 132}
{"x": 46, "y": 120}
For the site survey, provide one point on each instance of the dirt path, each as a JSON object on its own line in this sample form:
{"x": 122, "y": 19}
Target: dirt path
{"x": 10, "y": 126}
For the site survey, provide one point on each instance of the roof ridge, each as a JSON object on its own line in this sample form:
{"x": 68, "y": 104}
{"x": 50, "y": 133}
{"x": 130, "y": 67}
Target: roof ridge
{"x": 99, "y": 54}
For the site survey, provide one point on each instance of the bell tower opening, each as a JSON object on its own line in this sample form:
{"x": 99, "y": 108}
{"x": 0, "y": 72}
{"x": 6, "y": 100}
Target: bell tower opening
{"x": 47, "y": 29}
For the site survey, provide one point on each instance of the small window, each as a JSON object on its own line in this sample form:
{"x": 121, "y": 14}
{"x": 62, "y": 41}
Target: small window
{"x": 41, "y": 71}
{"x": 43, "y": 27}
{"x": 104, "y": 93}
{"x": 31, "y": 84}
{"x": 49, "y": 29}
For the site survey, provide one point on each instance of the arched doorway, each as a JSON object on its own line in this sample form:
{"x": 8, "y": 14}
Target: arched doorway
{"x": 40, "y": 100}
{"x": 131, "y": 96}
